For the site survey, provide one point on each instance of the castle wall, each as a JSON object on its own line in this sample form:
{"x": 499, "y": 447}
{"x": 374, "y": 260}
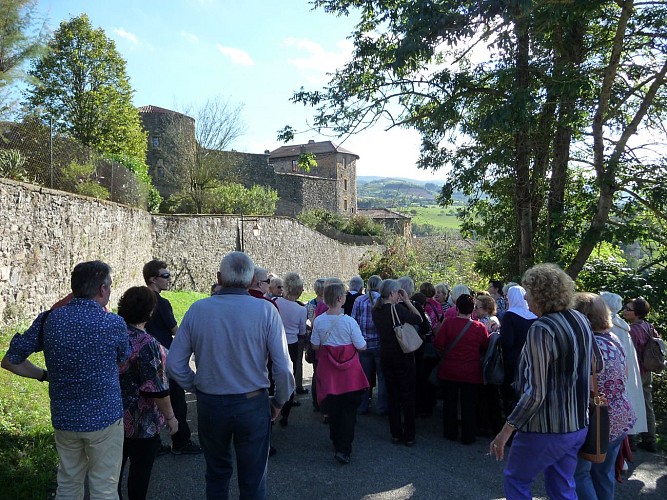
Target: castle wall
{"x": 45, "y": 233}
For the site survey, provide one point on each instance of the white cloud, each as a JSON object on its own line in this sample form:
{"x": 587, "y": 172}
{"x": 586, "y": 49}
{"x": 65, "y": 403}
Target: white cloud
{"x": 237, "y": 56}
{"x": 190, "y": 37}
{"x": 317, "y": 61}
{"x": 126, "y": 35}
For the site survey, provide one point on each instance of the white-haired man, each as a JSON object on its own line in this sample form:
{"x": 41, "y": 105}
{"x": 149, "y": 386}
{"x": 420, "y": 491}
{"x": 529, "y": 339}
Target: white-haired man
{"x": 232, "y": 334}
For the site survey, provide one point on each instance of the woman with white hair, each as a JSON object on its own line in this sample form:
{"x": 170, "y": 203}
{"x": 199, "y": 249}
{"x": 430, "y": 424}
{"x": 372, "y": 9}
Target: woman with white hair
{"x": 633, "y": 383}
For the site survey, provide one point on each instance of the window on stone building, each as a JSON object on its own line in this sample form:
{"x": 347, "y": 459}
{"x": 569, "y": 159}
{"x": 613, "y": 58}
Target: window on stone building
{"x": 345, "y": 205}
{"x": 295, "y": 165}
{"x": 160, "y": 172}
{"x": 344, "y": 184}
{"x": 156, "y": 142}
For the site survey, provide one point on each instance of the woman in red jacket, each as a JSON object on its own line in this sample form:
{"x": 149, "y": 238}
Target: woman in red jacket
{"x": 461, "y": 343}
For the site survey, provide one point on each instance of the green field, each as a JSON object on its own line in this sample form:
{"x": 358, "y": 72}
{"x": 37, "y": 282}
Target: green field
{"x": 437, "y": 216}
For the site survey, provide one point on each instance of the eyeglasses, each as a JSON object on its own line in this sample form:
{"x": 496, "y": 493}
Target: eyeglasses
{"x": 265, "y": 281}
{"x": 164, "y": 275}
{"x": 628, "y": 308}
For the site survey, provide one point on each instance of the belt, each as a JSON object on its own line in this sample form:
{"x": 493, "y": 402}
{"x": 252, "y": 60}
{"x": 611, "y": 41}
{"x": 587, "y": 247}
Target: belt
{"x": 250, "y": 395}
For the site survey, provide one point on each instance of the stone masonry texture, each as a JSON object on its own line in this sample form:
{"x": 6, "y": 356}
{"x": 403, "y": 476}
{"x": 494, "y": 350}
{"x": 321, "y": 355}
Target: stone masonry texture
{"x": 45, "y": 233}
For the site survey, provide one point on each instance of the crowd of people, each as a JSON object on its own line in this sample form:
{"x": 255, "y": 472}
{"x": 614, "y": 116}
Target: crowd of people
{"x": 117, "y": 380}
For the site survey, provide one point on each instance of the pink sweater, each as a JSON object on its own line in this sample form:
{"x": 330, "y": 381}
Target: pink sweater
{"x": 339, "y": 371}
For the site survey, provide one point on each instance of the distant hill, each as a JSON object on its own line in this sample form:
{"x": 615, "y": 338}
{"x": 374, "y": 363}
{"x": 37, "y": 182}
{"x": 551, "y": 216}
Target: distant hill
{"x": 383, "y": 192}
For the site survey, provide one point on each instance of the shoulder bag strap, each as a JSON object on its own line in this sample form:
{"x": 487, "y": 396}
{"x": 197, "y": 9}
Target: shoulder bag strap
{"x": 395, "y": 319}
{"x": 456, "y": 340}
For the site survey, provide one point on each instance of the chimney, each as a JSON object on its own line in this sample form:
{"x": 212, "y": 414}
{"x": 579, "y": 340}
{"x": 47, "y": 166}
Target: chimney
{"x": 267, "y": 152}
{"x": 311, "y": 141}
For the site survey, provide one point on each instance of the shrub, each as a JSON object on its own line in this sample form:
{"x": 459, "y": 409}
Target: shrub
{"x": 79, "y": 178}
{"x": 13, "y": 165}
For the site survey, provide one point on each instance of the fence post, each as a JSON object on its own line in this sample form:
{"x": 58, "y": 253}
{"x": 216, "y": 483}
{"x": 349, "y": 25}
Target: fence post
{"x": 51, "y": 147}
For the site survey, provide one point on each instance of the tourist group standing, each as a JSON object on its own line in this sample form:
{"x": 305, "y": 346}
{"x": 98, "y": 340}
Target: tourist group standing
{"x": 116, "y": 380}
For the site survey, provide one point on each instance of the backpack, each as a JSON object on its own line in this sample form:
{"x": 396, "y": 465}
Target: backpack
{"x": 653, "y": 358}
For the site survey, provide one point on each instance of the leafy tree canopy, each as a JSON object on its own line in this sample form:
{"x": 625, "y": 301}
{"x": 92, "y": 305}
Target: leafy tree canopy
{"x": 546, "y": 114}
{"x": 81, "y": 83}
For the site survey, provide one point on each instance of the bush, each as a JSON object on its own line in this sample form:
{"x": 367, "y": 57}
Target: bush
{"x": 79, "y": 178}
{"x": 357, "y": 224}
{"x": 13, "y": 165}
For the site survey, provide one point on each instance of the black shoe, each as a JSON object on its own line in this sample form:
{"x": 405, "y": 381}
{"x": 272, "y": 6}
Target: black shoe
{"x": 189, "y": 449}
{"x": 296, "y": 403}
{"x": 342, "y": 458}
{"x": 163, "y": 450}
{"x": 395, "y": 440}
{"x": 272, "y": 451}
{"x": 283, "y": 422}
{"x": 302, "y": 390}
{"x": 409, "y": 444}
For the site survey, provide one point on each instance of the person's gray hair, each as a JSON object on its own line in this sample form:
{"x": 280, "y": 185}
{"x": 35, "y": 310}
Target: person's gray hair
{"x": 293, "y": 285}
{"x": 407, "y": 284}
{"x": 442, "y": 287}
{"x": 260, "y": 272}
{"x": 508, "y": 286}
{"x": 386, "y": 289}
{"x": 459, "y": 290}
{"x": 613, "y": 300}
{"x": 318, "y": 286}
{"x": 237, "y": 270}
{"x": 356, "y": 283}
{"x": 373, "y": 283}
{"x": 88, "y": 277}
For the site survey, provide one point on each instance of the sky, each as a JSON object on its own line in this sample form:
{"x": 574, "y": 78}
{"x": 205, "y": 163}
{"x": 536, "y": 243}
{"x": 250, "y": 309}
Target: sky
{"x": 252, "y": 52}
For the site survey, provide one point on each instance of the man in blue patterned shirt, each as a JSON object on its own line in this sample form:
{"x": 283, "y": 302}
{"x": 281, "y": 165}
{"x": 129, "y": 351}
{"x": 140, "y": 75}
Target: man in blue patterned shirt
{"x": 83, "y": 345}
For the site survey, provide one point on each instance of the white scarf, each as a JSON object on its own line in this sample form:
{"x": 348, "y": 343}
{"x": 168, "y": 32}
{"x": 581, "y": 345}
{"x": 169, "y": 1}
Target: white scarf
{"x": 518, "y": 305}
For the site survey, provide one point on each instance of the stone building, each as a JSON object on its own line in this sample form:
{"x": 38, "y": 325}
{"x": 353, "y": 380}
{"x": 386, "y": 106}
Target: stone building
{"x": 331, "y": 185}
{"x": 392, "y": 221}
{"x": 171, "y": 146}
{"x": 333, "y": 162}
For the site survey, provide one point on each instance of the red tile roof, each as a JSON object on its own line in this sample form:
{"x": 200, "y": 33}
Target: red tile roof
{"x": 156, "y": 109}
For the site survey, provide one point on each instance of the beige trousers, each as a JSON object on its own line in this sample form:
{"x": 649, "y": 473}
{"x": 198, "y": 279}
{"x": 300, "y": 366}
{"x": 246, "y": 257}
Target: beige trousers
{"x": 97, "y": 454}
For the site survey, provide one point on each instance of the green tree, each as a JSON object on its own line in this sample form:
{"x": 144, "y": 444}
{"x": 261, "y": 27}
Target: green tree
{"x": 81, "y": 82}
{"x": 21, "y": 38}
{"x": 522, "y": 100}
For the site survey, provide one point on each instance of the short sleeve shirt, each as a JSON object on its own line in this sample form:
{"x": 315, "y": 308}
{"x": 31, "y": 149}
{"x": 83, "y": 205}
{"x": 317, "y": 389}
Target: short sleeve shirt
{"x": 162, "y": 322}
{"x": 143, "y": 378}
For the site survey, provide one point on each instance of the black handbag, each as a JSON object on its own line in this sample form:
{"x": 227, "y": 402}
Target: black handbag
{"x": 596, "y": 445}
{"x": 493, "y": 368}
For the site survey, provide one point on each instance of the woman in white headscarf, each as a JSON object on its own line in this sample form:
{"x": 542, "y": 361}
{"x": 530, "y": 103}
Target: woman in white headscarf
{"x": 633, "y": 384}
{"x": 515, "y": 325}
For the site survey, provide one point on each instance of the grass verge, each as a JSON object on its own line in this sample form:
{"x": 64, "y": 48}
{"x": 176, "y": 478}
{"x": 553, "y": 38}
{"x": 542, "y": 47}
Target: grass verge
{"x": 28, "y": 457}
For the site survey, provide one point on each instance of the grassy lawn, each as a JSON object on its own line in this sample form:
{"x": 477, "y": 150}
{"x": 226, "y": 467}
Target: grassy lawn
{"x": 28, "y": 458}
{"x": 433, "y": 214}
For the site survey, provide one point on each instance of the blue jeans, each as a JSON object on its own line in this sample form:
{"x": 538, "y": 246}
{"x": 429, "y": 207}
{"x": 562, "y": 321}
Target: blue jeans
{"x": 597, "y": 481}
{"x": 246, "y": 420}
{"x": 370, "y": 362}
{"x": 553, "y": 454}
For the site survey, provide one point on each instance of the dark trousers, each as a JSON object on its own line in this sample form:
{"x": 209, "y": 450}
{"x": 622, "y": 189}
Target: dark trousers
{"x": 247, "y": 423}
{"x": 466, "y": 393}
{"x": 141, "y": 453}
{"x": 293, "y": 350}
{"x": 180, "y": 407}
{"x": 489, "y": 412}
{"x": 342, "y": 411}
{"x": 426, "y": 392}
{"x": 399, "y": 374}
{"x": 313, "y": 388}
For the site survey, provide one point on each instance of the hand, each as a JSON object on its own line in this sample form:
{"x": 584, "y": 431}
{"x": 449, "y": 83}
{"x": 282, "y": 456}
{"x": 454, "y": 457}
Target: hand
{"x": 403, "y": 295}
{"x": 275, "y": 413}
{"x": 497, "y": 446}
{"x": 172, "y": 425}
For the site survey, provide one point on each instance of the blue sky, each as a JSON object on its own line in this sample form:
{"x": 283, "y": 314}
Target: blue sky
{"x": 253, "y": 52}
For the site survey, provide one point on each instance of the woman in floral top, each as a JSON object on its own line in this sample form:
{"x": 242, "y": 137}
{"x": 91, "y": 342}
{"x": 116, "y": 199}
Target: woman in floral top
{"x": 597, "y": 481}
{"x": 145, "y": 392}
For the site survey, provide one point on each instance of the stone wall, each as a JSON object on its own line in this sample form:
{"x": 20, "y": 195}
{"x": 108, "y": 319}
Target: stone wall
{"x": 45, "y": 233}
{"x": 193, "y": 246}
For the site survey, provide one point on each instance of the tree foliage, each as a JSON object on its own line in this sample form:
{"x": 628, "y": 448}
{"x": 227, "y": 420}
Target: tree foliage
{"x": 536, "y": 109}
{"x": 21, "y": 38}
{"x": 227, "y": 198}
{"x": 81, "y": 83}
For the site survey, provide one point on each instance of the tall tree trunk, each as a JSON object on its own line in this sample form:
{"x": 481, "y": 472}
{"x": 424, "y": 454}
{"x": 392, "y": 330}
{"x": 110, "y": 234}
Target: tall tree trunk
{"x": 522, "y": 143}
{"x": 569, "y": 54}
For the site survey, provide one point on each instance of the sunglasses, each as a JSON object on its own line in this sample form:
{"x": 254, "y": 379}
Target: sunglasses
{"x": 265, "y": 281}
{"x": 164, "y": 275}
{"x": 628, "y": 308}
